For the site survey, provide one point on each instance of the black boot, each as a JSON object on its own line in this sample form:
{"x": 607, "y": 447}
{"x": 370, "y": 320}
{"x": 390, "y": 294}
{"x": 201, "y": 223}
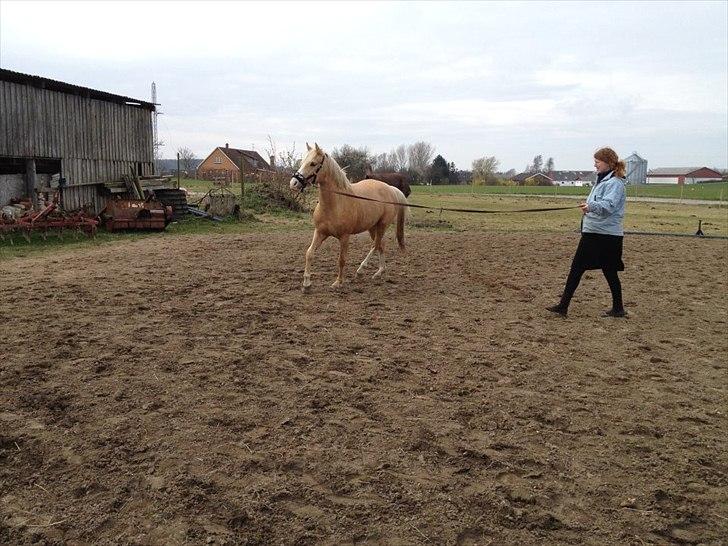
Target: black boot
{"x": 559, "y": 309}
{"x": 615, "y": 288}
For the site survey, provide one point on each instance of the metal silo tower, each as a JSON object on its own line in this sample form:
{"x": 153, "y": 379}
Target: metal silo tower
{"x": 636, "y": 169}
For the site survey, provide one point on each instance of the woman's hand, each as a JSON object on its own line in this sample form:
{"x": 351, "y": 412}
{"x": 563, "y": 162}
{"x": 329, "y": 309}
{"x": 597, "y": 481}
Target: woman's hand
{"x": 584, "y": 208}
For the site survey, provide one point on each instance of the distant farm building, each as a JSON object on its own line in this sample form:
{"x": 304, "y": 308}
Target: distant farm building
{"x": 555, "y": 178}
{"x": 572, "y": 178}
{"x": 636, "y": 169}
{"x": 682, "y": 175}
{"x": 224, "y": 164}
{"x": 532, "y": 179}
{"x": 53, "y": 132}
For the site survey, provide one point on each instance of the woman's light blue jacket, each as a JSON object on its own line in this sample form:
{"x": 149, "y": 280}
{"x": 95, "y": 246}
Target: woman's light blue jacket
{"x": 606, "y": 207}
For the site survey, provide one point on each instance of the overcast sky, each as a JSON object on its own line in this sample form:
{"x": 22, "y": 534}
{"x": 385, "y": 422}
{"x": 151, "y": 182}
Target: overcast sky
{"x": 475, "y": 79}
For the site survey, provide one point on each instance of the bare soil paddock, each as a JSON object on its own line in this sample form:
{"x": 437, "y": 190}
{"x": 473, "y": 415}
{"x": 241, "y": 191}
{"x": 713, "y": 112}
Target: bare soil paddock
{"x": 184, "y": 391}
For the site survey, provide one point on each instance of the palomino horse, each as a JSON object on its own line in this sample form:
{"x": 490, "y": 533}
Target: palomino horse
{"x": 398, "y": 180}
{"x": 341, "y": 216}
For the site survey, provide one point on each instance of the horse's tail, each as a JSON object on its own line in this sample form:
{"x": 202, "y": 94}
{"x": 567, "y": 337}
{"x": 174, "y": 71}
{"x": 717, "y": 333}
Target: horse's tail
{"x": 401, "y": 216}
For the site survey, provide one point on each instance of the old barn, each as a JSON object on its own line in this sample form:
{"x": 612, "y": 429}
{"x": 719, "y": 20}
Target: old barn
{"x": 683, "y": 175}
{"x": 54, "y": 133}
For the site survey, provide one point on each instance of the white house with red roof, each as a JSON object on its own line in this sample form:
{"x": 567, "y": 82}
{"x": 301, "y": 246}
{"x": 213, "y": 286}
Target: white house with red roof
{"x": 682, "y": 175}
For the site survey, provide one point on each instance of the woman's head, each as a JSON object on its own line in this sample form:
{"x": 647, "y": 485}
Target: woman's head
{"x": 606, "y": 159}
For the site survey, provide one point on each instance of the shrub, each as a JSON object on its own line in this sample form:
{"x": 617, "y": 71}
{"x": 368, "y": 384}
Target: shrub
{"x": 272, "y": 190}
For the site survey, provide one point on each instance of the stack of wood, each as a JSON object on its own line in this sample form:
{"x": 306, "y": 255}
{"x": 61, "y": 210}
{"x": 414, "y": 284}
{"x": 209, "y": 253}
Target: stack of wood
{"x": 133, "y": 185}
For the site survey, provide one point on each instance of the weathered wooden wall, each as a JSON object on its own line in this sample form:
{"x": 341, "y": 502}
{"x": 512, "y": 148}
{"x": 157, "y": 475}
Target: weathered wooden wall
{"x": 91, "y": 198}
{"x": 97, "y": 141}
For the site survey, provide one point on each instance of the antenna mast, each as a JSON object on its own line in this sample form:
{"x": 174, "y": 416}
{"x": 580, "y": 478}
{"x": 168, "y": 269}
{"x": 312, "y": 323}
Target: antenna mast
{"x": 156, "y": 143}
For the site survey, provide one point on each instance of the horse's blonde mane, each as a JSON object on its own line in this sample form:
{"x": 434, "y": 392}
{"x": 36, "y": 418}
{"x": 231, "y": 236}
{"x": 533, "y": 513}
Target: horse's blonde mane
{"x": 338, "y": 175}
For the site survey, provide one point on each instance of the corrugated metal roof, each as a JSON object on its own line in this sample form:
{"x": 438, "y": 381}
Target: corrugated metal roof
{"x": 525, "y": 176}
{"x": 70, "y": 89}
{"x": 573, "y": 175}
{"x": 674, "y": 171}
{"x": 559, "y": 175}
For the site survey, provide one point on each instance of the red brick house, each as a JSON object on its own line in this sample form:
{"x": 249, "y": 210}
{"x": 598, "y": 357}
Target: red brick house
{"x": 682, "y": 175}
{"x": 223, "y": 164}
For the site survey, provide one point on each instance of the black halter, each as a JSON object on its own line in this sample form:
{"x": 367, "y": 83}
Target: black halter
{"x": 311, "y": 178}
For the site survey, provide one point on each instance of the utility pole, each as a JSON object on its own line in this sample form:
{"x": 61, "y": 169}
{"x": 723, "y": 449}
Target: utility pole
{"x": 156, "y": 143}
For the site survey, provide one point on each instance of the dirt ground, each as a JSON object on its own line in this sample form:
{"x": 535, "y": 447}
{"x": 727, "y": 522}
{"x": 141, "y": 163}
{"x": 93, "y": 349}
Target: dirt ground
{"x": 182, "y": 390}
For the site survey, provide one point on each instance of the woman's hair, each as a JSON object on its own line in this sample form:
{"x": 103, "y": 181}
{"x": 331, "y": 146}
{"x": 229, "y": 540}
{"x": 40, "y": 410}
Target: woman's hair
{"x": 611, "y": 158}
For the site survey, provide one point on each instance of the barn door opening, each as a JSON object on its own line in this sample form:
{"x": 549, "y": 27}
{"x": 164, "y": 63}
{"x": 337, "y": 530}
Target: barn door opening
{"x": 14, "y": 176}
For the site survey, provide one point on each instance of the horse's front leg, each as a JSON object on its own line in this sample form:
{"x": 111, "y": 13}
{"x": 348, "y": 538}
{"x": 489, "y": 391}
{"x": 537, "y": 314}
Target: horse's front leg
{"x": 343, "y": 248}
{"x": 318, "y": 238}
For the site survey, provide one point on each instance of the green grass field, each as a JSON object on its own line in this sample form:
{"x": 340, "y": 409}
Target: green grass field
{"x": 710, "y": 192}
{"x": 640, "y": 216}
{"x": 717, "y": 191}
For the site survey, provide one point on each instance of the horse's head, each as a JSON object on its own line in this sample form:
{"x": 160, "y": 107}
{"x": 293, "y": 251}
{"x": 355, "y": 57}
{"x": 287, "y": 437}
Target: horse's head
{"x": 311, "y": 164}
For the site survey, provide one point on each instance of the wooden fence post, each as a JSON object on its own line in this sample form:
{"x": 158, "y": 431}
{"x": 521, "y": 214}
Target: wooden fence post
{"x": 30, "y": 181}
{"x": 242, "y": 182}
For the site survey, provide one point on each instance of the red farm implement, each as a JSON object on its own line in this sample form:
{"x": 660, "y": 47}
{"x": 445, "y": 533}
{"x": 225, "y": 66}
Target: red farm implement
{"x": 50, "y": 218}
{"x": 136, "y": 214}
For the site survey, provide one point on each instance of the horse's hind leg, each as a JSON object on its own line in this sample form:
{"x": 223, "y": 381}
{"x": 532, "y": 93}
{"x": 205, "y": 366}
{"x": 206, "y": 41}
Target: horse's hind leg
{"x": 373, "y": 233}
{"x": 379, "y": 246}
{"x": 343, "y": 248}
{"x": 318, "y": 238}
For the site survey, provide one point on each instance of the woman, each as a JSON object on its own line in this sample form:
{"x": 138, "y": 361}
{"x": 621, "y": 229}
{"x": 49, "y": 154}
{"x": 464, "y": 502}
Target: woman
{"x": 602, "y": 232}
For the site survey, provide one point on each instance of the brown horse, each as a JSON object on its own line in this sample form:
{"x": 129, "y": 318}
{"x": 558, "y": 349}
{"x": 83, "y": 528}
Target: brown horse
{"x": 398, "y": 180}
{"x": 340, "y": 216}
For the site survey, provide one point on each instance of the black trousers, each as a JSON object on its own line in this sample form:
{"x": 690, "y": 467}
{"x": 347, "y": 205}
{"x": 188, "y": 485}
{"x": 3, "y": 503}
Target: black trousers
{"x": 574, "y": 278}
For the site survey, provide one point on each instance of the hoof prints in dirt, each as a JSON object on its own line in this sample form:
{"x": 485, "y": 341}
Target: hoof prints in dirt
{"x": 438, "y": 405}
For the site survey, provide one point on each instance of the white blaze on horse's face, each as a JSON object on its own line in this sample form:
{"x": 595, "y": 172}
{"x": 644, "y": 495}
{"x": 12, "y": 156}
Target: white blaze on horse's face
{"x": 296, "y": 185}
{"x": 310, "y": 165}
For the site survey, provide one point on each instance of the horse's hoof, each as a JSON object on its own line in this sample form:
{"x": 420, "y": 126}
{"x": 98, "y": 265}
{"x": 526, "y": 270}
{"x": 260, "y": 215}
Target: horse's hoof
{"x": 336, "y": 284}
{"x": 306, "y": 289}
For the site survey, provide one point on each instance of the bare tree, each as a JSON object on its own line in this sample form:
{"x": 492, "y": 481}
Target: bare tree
{"x": 286, "y": 160}
{"x": 187, "y": 160}
{"x": 271, "y": 149}
{"x": 484, "y": 169}
{"x": 420, "y": 155}
{"x": 537, "y": 165}
{"x": 399, "y": 157}
{"x": 549, "y": 165}
{"x": 383, "y": 163}
{"x": 290, "y": 160}
{"x": 392, "y": 161}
